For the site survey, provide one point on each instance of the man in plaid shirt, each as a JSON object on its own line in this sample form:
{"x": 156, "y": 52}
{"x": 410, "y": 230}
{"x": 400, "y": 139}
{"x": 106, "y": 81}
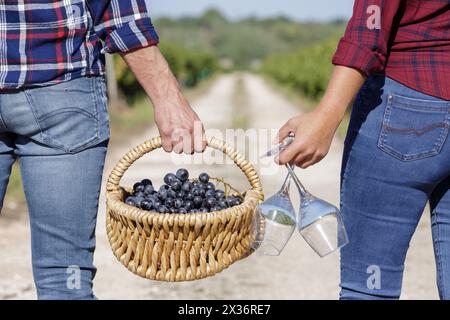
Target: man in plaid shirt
{"x": 54, "y": 120}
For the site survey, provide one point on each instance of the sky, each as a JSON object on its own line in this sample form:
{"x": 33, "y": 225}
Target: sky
{"x": 319, "y": 10}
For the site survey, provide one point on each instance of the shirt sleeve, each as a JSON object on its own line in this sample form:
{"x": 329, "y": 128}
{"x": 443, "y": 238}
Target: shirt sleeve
{"x": 365, "y": 44}
{"x": 123, "y": 25}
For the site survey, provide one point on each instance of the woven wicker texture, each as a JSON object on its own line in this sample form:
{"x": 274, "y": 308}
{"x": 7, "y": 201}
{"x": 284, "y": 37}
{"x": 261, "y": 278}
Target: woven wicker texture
{"x": 179, "y": 247}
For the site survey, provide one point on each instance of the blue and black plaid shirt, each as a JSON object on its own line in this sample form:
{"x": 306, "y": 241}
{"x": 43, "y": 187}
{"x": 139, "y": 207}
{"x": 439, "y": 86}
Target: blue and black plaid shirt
{"x": 45, "y": 42}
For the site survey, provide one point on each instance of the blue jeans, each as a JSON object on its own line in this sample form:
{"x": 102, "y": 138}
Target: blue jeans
{"x": 396, "y": 159}
{"x": 59, "y": 134}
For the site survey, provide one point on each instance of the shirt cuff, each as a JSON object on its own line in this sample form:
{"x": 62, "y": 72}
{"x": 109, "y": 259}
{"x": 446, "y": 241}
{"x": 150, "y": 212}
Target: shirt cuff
{"x": 358, "y": 57}
{"x": 131, "y": 36}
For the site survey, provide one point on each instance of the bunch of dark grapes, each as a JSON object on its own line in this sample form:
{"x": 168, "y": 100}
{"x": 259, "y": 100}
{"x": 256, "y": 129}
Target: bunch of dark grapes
{"x": 180, "y": 195}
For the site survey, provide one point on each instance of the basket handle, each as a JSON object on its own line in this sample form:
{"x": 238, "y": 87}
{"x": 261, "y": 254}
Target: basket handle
{"x": 137, "y": 152}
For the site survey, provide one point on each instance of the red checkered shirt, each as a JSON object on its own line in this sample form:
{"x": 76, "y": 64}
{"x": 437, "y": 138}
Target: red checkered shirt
{"x": 44, "y": 42}
{"x": 408, "y": 40}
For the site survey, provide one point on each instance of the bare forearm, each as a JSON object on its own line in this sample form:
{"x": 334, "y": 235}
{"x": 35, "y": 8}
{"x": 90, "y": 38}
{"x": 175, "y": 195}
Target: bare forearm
{"x": 343, "y": 86}
{"x": 174, "y": 117}
{"x": 314, "y": 131}
{"x": 153, "y": 73}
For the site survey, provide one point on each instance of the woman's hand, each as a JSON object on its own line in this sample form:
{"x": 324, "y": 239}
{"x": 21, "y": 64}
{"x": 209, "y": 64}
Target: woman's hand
{"x": 314, "y": 133}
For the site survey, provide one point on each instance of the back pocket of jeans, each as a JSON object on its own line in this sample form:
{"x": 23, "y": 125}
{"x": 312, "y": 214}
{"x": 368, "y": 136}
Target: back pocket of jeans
{"x": 66, "y": 114}
{"x": 414, "y": 128}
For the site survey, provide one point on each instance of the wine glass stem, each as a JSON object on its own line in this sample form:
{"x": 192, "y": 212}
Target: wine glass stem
{"x": 297, "y": 181}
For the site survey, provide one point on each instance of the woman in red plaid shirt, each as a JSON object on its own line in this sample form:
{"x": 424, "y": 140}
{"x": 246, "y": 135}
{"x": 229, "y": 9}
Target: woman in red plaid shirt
{"x": 394, "y": 64}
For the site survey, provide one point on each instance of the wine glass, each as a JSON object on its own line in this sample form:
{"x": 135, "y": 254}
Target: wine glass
{"x": 320, "y": 222}
{"x": 275, "y": 222}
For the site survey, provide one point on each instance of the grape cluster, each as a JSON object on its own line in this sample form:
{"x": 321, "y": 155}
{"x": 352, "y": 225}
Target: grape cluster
{"x": 180, "y": 195}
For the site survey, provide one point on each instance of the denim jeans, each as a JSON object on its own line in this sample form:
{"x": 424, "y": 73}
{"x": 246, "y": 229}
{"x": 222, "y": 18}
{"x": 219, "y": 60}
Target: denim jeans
{"x": 59, "y": 134}
{"x": 396, "y": 159}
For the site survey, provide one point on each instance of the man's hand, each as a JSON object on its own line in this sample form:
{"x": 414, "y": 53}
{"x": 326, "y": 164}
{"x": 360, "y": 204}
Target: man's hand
{"x": 314, "y": 131}
{"x": 179, "y": 126}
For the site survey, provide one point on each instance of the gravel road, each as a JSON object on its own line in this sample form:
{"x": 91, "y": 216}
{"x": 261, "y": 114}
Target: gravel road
{"x": 296, "y": 274}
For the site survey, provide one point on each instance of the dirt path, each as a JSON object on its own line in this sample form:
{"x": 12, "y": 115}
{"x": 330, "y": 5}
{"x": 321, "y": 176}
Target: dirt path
{"x": 296, "y": 274}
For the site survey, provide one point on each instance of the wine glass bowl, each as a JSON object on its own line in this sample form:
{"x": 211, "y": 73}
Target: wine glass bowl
{"x": 275, "y": 222}
{"x": 319, "y": 222}
{"x": 321, "y": 226}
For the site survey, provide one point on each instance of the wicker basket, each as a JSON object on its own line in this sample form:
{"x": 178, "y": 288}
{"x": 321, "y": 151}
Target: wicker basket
{"x": 179, "y": 247}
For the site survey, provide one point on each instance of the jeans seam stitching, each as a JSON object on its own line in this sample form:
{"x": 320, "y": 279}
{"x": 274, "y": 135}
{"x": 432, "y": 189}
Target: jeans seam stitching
{"x": 437, "y": 146}
{"x": 95, "y": 102}
{"x": 2, "y": 123}
{"x": 64, "y": 110}
{"x": 438, "y": 256}
{"x": 55, "y": 143}
{"x": 31, "y": 105}
{"x": 96, "y": 137}
{"x": 397, "y": 96}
